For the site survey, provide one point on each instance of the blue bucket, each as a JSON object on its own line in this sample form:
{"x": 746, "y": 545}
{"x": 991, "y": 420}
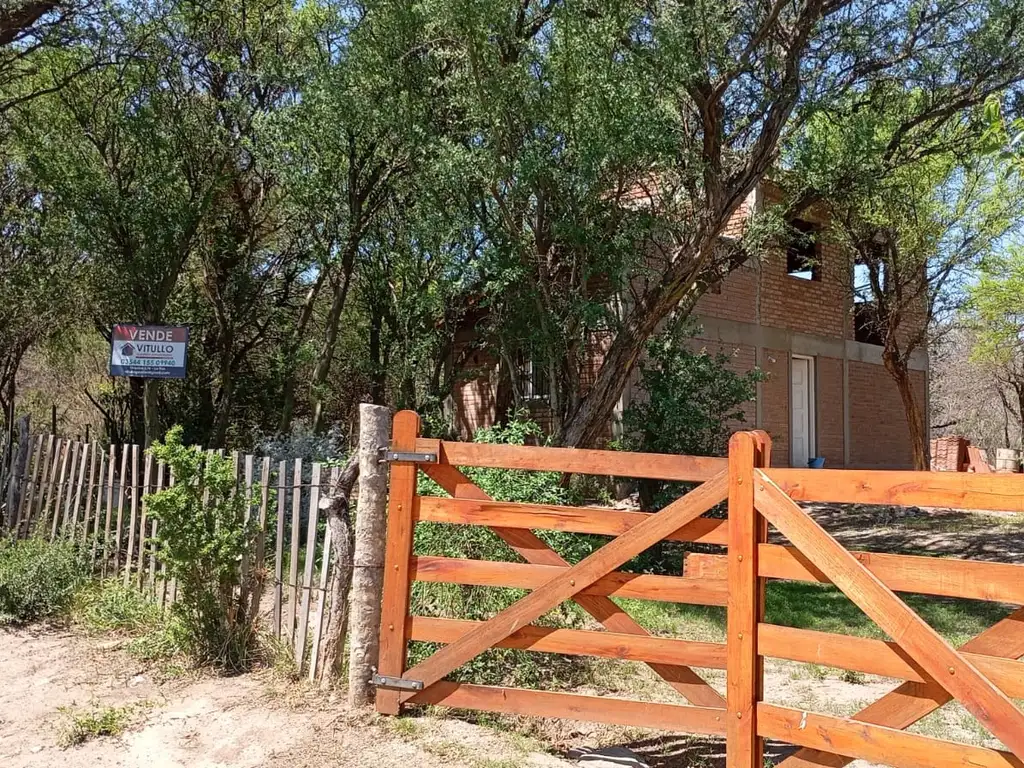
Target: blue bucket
{"x": 816, "y": 463}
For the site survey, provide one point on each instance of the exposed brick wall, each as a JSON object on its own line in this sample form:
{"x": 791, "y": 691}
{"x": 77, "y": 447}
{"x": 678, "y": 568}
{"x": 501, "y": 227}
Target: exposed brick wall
{"x": 735, "y": 299}
{"x": 775, "y": 403}
{"x": 878, "y": 423}
{"x": 475, "y": 396}
{"x": 829, "y": 411}
{"x": 815, "y": 307}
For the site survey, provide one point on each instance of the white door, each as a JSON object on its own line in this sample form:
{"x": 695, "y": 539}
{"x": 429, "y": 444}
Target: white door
{"x": 801, "y": 405}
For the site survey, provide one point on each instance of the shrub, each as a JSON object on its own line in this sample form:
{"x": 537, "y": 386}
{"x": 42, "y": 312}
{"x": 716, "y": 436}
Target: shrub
{"x": 38, "y": 578}
{"x": 693, "y": 400}
{"x": 202, "y": 537}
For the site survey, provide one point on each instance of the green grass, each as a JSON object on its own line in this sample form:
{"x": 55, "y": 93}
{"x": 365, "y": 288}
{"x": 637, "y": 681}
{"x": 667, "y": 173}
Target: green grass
{"x": 111, "y": 607}
{"x": 81, "y": 726}
{"x": 820, "y": 607}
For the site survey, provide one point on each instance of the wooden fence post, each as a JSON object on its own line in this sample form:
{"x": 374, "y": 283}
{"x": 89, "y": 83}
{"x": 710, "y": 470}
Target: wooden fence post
{"x": 744, "y": 749}
{"x": 394, "y": 611}
{"x": 19, "y": 464}
{"x": 368, "y": 557}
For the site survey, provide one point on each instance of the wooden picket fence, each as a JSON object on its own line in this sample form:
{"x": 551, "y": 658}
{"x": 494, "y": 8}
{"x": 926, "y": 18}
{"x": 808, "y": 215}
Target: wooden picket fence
{"x": 81, "y": 491}
{"x": 983, "y": 675}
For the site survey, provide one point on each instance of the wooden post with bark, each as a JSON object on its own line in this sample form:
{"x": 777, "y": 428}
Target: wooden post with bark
{"x": 368, "y": 555}
{"x": 339, "y": 522}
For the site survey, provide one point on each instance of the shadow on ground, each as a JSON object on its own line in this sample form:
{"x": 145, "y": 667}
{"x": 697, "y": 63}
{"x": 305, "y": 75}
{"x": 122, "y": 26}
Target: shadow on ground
{"x": 696, "y": 751}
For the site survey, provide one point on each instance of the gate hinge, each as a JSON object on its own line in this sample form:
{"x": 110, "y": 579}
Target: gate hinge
{"x": 397, "y": 683}
{"x": 387, "y": 455}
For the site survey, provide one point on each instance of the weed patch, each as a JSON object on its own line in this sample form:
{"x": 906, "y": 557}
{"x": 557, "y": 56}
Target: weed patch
{"x": 109, "y": 606}
{"x": 82, "y": 726}
{"x": 38, "y": 579}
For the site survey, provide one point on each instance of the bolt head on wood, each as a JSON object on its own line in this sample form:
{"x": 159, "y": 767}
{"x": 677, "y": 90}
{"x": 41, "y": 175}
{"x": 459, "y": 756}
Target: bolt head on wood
{"x": 391, "y": 627}
{"x": 952, "y": 670}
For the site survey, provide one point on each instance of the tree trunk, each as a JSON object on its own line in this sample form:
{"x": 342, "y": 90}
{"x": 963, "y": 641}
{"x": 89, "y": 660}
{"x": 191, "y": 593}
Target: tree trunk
{"x": 151, "y": 410}
{"x": 898, "y": 369}
{"x": 326, "y": 356}
{"x": 340, "y": 524}
{"x": 291, "y": 355}
{"x": 368, "y": 555}
{"x": 16, "y": 482}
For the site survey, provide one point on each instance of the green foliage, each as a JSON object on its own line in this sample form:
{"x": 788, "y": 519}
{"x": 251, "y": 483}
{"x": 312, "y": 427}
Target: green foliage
{"x": 692, "y": 399}
{"x": 693, "y": 402}
{"x": 996, "y": 312}
{"x": 202, "y": 537}
{"x": 109, "y": 606}
{"x": 38, "y": 579}
{"x": 82, "y": 726}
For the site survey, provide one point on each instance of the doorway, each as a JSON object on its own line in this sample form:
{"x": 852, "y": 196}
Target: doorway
{"x": 801, "y": 409}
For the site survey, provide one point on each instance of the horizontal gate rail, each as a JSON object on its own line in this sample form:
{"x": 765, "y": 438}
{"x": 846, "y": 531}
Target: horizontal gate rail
{"x": 491, "y": 573}
{"x": 657, "y": 466}
{"x": 596, "y": 520}
{"x": 574, "y": 706}
{"x": 578, "y": 642}
{"x": 939, "y": 576}
{"x": 873, "y": 742}
{"x": 875, "y": 657}
{"x": 959, "y": 490}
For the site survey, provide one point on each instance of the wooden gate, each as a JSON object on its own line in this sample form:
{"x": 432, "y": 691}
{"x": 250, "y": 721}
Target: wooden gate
{"x": 983, "y": 675}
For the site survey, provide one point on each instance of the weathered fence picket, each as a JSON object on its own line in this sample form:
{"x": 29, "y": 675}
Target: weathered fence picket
{"x": 98, "y": 498}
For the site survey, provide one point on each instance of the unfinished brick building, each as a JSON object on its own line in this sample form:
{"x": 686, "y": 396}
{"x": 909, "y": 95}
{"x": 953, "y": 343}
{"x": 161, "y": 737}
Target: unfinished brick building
{"x": 792, "y": 314}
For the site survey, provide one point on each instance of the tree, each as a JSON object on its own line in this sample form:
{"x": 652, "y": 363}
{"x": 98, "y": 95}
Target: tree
{"x": 610, "y": 148}
{"x": 965, "y": 396}
{"x": 914, "y": 229}
{"x": 996, "y": 316}
{"x": 37, "y": 279}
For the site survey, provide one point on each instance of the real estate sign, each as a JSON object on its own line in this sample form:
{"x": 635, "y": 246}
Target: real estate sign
{"x": 148, "y": 351}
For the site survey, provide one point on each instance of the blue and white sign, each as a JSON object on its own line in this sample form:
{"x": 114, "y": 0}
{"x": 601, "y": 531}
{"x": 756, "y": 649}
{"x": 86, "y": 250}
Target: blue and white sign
{"x": 148, "y": 351}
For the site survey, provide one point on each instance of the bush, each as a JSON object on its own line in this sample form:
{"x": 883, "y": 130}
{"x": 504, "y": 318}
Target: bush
{"x": 38, "y": 579}
{"x": 202, "y": 537}
{"x": 693, "y": 401}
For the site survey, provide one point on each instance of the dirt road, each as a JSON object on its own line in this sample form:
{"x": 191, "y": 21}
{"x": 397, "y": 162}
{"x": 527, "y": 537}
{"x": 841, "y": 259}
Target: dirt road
{"x": 239, "y": 722}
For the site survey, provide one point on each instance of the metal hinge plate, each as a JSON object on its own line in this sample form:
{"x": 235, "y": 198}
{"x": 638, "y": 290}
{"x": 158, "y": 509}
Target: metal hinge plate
{"x": 397, "y": 683}
{"x": 419, "y": 458}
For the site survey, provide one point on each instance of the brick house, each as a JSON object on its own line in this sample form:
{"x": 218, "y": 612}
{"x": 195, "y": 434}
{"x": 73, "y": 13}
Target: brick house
{"x": 790, "y": 313}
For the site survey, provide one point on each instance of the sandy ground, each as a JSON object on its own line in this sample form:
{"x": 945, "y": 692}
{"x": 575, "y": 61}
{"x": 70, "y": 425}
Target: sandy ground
{"x": 261, "y": 720}
{"x": 239, "y": 722}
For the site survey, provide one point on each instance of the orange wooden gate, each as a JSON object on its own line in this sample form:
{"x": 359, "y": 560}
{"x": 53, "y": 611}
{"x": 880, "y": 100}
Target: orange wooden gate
{"x": 983, "y": 675}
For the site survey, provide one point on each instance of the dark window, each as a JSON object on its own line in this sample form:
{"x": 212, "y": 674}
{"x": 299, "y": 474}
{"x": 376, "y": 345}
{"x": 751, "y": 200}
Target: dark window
{"x": 802, "y": 259}
{"x": 865, "y": 324}
{"x": 533, "y": 380}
